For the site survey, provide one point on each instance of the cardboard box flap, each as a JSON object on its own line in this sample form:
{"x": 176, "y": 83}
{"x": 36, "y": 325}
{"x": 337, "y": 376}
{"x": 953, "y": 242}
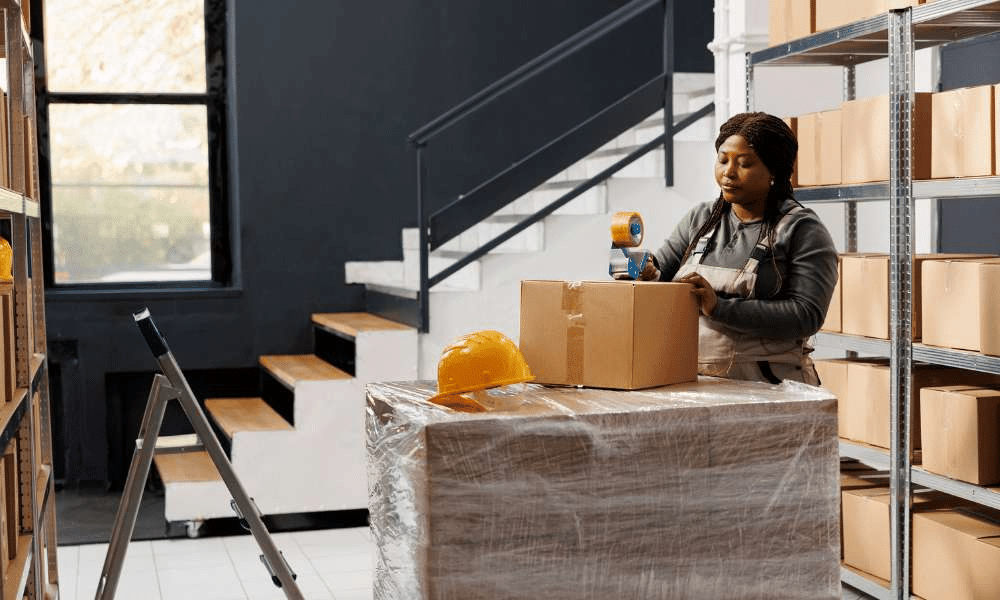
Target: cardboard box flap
{"x": 977, "y": 522}
{"x": 975, "y": 391}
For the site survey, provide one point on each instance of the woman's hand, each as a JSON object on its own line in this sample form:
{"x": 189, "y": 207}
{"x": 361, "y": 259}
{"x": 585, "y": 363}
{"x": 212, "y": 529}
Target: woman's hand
{"x": 703, "y": 290}
{"x": 649, "y": 271}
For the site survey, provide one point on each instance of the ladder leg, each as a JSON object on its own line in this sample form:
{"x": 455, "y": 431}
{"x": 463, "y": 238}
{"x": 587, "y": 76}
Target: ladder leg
{"x": 275, "y": 562}
{"x": 128, "y": 506}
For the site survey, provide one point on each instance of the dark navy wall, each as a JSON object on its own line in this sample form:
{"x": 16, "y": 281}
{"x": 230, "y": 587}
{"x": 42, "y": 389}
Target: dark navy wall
{"x": 323, "y": 96}
{"x": 969, "y": 225}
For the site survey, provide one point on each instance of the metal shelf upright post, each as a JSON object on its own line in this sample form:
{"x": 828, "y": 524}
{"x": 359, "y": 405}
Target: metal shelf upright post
{"x": 901, "y": 50}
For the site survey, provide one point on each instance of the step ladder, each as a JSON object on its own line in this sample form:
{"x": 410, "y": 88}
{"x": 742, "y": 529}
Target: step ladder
{"x": 171, "y": 385}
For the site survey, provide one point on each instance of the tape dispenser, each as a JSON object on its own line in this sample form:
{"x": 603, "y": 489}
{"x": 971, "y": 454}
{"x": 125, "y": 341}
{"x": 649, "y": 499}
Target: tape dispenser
{"x": 627, "y": 260}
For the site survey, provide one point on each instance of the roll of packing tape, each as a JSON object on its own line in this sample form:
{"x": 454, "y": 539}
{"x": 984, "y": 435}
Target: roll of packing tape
{"x": 626, "y": 229}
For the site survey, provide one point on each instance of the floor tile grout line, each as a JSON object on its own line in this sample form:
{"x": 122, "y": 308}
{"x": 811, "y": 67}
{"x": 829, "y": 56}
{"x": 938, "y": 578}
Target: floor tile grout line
{"x": 232, "y": 563}
{"x": 156, "y": 572}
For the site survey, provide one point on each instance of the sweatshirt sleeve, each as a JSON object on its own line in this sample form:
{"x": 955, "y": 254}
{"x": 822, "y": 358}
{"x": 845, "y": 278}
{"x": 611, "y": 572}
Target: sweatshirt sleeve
{"x": 799, "y": 310}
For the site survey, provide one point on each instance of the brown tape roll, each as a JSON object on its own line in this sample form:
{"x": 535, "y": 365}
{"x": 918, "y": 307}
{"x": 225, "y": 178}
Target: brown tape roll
{"x": 626, "y": 229}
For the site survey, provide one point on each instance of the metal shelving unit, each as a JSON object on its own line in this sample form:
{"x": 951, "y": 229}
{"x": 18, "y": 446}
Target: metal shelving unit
{"x": 25, "y": 417}
{"x": 896, "y": 35}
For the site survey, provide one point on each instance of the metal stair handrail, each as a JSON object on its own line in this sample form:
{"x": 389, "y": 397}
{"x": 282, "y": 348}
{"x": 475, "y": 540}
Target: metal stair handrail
{"x": 471, "y": 208}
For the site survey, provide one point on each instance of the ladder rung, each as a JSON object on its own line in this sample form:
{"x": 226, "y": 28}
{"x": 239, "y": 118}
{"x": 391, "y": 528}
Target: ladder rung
{"x": 174, "y": 444}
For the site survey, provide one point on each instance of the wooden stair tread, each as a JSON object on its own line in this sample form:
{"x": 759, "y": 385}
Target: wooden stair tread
{"x": 352, "y": 323}
{"x": 186, "y": 467}
{"x": 291, "y": 368}
{"x": 244, "y": 414}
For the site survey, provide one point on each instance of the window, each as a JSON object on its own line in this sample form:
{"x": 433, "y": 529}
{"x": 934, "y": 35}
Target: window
{"x": 133, "y": 102}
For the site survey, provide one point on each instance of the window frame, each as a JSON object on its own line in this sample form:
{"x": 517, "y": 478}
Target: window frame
{"x": 215, "y": 101}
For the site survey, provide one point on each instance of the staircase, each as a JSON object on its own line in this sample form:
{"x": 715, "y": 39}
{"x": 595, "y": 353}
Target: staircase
{"x": 300, "y": 447}
{"x": 571, "y": 244}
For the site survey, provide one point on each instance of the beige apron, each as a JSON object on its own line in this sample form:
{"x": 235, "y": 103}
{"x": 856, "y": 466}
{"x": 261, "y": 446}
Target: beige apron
{"x": 723, "y": 352}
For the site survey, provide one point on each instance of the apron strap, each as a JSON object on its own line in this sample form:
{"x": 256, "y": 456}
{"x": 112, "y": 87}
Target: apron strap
{"x": 762, "y": 248}
{"x": 704, "y": 243}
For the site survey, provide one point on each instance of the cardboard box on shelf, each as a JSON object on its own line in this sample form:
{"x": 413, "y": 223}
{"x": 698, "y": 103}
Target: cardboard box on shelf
{"x": 956, "y": 553}
{"x": 8, "y": 374}
{"x": 833, "y": 321}
{"x": 833, "y": 376}
{"x": 996, "y": 130}
{"x": 868, "y": 385}
{"x": 609, "y": 334}
{"x": 831, "y": 14}
{"x": 790, "y": 20}
{"x": 866, "y": 141}
{"x": 962, "y": 131}
{"x": 955, "y": 318}
{"x": 4, "y": 539}
{"x": 793, "y": 124}
{"x": 12, "y": 496}
{"x": 819, "y": 159}
{"x": 865, "y": 292}
{"x": 960, "y": 432}
{"x": 866, "y": 525}
{"x": 989, "y": 308}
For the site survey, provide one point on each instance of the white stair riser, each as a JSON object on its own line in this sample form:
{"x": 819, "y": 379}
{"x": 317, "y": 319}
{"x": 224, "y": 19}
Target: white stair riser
{"x": 196, "y": 501}
{"x": 386, "y": 356}
{"x": 289, "y": 471}
{"x": 592, "y": 202}
{"x": 529, "y": 240}
{"x": 383, "y": 272}
{"x": 465, "y": 279}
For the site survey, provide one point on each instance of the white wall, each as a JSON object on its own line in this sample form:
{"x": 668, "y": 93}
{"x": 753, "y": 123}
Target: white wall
{"x": 741, "y": 26}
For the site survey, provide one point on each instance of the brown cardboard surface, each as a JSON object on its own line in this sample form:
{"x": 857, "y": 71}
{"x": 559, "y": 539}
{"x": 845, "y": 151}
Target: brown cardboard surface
{"x": 953, "y": 319}
{"x": 833, "y": 322}
{"x": 793, "y": 124}
{"x": 580, "y": 494}
{"x": 989, "y": 308}
{"x": 865, "y": 513}
{"x": 996, "y": 130}
{"x": 12, "y": 499}
{"x": 790, "y": 20}
{"x": 868, "y": 384}
{"x": 4, "y": 539}
{"x": 962, "y": 131}
{"x": 820, "y": 150}
{"x": 833, "y": 376}
{"x": 865, "y": 521}
{"x": 836, "y": 13}
{"x": 865, "y": 293}
{"x": 960, "y": 433}
{"x": 609, "y": 334}
{"x": 866, "y": 140}
{"x": 956, "y": 554}
{"x": 8, "y": 376}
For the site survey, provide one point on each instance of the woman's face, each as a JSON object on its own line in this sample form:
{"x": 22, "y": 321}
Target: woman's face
{"x": 741, "y": 175}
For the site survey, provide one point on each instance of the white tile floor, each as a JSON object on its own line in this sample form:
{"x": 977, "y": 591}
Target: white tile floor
{"x": 331, "y": 564}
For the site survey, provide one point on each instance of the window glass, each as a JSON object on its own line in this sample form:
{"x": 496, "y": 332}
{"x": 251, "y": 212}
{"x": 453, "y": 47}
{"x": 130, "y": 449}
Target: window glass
{"x": 130, "y": 197}
{"x": 134, "y": 46}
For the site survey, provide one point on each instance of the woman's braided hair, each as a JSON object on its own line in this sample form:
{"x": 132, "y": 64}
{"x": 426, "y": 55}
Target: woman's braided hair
{"x": 775, "y": 144}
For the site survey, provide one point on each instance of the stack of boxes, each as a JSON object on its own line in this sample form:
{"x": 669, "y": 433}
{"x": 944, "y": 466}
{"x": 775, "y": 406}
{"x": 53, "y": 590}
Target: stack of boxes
{"x": 713, "y": 489}
{"x": 680, "y": 488}
{"x": 955, "y": 426}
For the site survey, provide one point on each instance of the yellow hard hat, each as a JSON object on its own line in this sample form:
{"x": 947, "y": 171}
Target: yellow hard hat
{"x": 478, "y": 361}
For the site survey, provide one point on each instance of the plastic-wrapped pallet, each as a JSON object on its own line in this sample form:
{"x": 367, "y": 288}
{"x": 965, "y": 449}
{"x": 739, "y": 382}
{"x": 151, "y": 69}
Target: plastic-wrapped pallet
{"x": 710, "y": 490}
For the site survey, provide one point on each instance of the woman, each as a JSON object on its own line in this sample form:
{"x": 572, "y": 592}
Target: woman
{"x": 763, "y": 266}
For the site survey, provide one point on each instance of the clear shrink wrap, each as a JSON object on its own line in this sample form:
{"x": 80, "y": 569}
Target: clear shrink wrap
{"x": 711, "y": 490}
